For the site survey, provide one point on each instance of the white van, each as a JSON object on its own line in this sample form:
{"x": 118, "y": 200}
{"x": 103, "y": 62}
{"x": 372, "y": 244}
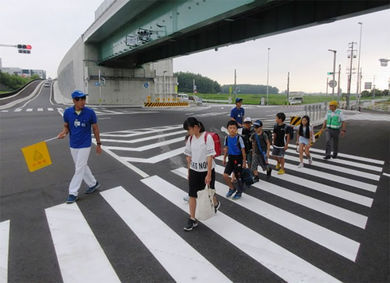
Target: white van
{"x": 183, "y": 97}
{"x": 292, "y": 100}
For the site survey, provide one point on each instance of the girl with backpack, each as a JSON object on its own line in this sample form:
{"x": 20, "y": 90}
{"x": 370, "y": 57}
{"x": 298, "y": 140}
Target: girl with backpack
{"x": 199, "y": 152}
{"x": 304, "y": 136}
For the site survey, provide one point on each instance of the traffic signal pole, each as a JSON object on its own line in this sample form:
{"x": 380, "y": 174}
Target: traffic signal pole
{"x": 22, "y": 48}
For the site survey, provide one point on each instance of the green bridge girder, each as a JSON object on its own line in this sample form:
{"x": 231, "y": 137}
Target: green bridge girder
{"x": 164, "y": 29}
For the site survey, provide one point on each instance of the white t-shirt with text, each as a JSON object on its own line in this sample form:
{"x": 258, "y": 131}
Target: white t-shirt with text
{"x": 199, "y": 150}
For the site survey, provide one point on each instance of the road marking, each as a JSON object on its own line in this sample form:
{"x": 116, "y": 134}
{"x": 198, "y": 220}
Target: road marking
{"x": 80, "y": 257}
{"x": 178, "y": 258}
{"x": 386, "y": 174}
{"x": 139, "y": 132}
{"x": 4, "y": 110}
{"x": 156, "y": 158}
{"x": 50, "y": 109}
{"x": 40, "y": 109}
{"x": 331, "y": 240}
{"x": 338, "y": 168}
{"x": 355, "y": 157}
{"x": 147, "y": 138}
{"x": 332, "y": 177}
{"x": 29, "y": 109}
{"x": 283, "y": 263}
{"x": 18, "y": 109}
{"x": 4, "y": 249}
{"x": 347, "y": 162}
{"x": 310, "y": 202}
{"x": 146, "y": 147}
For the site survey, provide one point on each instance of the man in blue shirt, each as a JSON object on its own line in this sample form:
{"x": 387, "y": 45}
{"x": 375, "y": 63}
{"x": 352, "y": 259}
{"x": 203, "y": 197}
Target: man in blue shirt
{"x": 237, "y": 113}
{"x": 78, "y": 121}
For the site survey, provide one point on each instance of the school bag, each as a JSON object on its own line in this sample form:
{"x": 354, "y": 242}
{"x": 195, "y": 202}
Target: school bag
{"x": 217, "y": 142}
{"x": 289, "y": 130}
{"x": 238, "y": 141}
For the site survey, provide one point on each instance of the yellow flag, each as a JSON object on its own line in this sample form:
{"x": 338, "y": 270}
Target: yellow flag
{"x": 37, "y": 156}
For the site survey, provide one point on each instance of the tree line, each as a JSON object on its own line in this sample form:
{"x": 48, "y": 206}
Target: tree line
{"x": 207, "y": 85}
{"x": 14, "y": 82}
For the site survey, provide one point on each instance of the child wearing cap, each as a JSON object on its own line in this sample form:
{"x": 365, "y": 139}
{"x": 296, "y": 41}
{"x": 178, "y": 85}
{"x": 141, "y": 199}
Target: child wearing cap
{"x": 247, "y": 132}
{"x": 261, "y": 145}
{"x": 237, "y": 113}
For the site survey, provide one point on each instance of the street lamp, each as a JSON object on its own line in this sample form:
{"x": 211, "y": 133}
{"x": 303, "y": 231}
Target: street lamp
{"x": 268, "y": 74}
{"x": 359, "y": 75}
{"x": 334, "y": 70}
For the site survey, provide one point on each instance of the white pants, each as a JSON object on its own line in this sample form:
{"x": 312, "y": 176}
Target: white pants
{"x": 82, "y": 171}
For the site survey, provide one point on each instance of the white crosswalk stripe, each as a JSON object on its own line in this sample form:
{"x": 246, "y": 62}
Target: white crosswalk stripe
{"x": 335, "y": 198}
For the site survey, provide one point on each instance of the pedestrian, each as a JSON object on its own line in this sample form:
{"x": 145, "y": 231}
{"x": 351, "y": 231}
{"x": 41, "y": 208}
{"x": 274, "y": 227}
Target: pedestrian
{"x": 335, "y": 125}
{"x": 78, "y": 121}
{"x": 247, "y": 132}
{"x": 280, "y": 139}
{"x": 238, "y": 112}
{"x": 234, "y": 149}
{"x": 199, "y": 151}
{"x": 261, "y": 145}
{"x": 305, "y": 135}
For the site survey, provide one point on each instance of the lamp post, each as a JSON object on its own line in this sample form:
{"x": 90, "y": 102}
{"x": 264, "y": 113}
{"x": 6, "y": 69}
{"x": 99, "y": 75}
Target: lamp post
{"x": 334, "y": 70}
{"x": 359, "y": 79}
{"x": 268, "y": 74}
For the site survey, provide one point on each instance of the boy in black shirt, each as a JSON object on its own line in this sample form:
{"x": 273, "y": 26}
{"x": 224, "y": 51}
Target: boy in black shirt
{"x": 281, "y": 138}
{"x": 261, "y": 148}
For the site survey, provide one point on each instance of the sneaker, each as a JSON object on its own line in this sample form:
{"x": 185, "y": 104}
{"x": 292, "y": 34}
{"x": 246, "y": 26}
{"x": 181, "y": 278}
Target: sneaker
{"x": 277, "y": 167}
{"x": 216, "y": 207}
{"x": 186, "y": 198}
{"x": 71, "y": 199}
{"x": 269, "y": 170}
{"x": 327, "y": 157}
{"x": 300, "y": 165}
{"x": 191, "y": 224}
{"x": 310, "y": 161}
{"x": 334, "y": 155}
{"x": 230, "y": 193}
{"x": 237, "y": 195}
{"x": 93, "y": 188}
{"x": 281, "y": 172}
{"x": 256, "y": 179}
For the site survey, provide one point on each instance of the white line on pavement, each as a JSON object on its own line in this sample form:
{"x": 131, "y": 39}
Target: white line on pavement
{"x": 283, "y": 263}
{"x": 331, "y": 240}
{"x": 4, "y": 249}
{"x": 156, "y": 158}
{"x": 146, "y": 147}
{"x": 79, "y": 254}
{"x": 146, "y": 138}
{"x": 178, "y": 258}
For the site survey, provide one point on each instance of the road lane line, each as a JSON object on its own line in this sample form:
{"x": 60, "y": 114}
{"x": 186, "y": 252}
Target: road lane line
{"x": 350, "y": 156}
{"x": 139, "y": 132}
{"x": 331, "y": 240}
{"x": 334, "y": 167}
{"x": 147, "y": 138}
{"x": 4, "y": 250}
{"x": 50, "y": 109}
{"x": 79, "y": 254}
{"x": 280, "y": 261}
{"x": 29, "y": 110}
{"x": 156, "y": 158}
{"x": 178, "y": 258}
{"x": 310, "y": 202}
{"x": 146, "y": 147}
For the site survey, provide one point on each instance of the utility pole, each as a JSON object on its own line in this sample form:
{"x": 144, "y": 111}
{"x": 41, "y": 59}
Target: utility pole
{"x": 359, "y": 74}
{"x": 334, "y": 69}
{"x": 327, "y": 84}
{"x": 350, "y": 73}
{"x": 338, "y": 88}
{"x": 235, "y": 85}
{"x": 268, "y": 74}
{"x": 288, "y": 87}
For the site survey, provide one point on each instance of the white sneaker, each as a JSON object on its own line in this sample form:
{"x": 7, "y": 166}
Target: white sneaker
{"x": 300, "y": 165}
{"x": 310, "y": 161}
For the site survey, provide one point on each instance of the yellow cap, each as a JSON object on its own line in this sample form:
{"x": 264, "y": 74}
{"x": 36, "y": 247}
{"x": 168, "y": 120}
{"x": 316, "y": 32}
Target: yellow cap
{"x": 333, "y": 102}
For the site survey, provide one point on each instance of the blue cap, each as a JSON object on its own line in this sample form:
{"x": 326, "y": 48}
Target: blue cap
{"x": 238, "y": 99}
{"x": 258, "y": 123}
{"x": 78, "y": 93}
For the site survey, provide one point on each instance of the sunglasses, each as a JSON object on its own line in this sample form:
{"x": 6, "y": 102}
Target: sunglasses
{"x": 78, "y": 98}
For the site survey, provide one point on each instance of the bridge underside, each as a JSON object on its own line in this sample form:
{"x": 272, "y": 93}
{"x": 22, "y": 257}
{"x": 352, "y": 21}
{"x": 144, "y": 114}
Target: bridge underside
{"x": 272, "y": 18}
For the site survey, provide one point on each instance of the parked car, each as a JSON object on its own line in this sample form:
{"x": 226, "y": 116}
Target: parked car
{"x": 292, "y": 100}
{"x": 183, "y": 97}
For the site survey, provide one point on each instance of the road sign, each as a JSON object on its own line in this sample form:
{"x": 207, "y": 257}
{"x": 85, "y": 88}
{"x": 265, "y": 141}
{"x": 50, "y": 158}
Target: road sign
{"x": 332, "y": 83}
{"x": 367, "y": 85}
{"x": 146, "y": 85}
{"x": 37, "y": 156}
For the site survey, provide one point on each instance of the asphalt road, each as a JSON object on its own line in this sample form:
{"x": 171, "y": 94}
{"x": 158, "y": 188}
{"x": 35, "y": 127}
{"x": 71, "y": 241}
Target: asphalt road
{"x": 326, "y": 222}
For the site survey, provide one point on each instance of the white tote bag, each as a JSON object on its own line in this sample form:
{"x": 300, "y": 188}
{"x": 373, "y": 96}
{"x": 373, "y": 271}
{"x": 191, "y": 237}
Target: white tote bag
{"x": 204, "y": 204}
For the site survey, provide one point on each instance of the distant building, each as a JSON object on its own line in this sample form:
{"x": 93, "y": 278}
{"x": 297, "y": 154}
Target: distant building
{"x": 23, "y": 72}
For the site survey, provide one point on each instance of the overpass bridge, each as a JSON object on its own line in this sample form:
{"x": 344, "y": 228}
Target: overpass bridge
{"x": 130, "y": 45}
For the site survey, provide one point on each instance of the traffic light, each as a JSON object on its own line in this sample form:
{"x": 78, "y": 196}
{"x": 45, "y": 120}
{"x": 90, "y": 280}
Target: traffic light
{"x": 24, "y": 48}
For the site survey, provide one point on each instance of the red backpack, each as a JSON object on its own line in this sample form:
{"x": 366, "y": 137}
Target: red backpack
{"x": 217, "y": 142}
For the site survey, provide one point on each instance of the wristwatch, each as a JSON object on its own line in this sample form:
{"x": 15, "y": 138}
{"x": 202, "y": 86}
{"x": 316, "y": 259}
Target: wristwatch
{"x": 99, "y": 143}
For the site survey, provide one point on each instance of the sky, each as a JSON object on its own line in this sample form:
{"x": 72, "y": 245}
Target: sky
{"x": 52, "y": 27}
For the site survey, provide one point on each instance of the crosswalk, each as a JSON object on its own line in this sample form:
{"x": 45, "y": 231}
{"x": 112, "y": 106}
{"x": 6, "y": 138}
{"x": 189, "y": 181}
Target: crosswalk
{"x": 339, "y": 193}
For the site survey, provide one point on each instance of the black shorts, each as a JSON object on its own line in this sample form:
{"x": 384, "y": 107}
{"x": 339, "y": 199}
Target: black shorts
{"x": 196, "y": 182}
{"x": 232, "y": 164}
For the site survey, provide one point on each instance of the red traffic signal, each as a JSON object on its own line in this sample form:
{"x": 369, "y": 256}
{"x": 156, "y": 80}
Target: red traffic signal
{"x": 29, "y": 47}
{"x": 24, "y": 48}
